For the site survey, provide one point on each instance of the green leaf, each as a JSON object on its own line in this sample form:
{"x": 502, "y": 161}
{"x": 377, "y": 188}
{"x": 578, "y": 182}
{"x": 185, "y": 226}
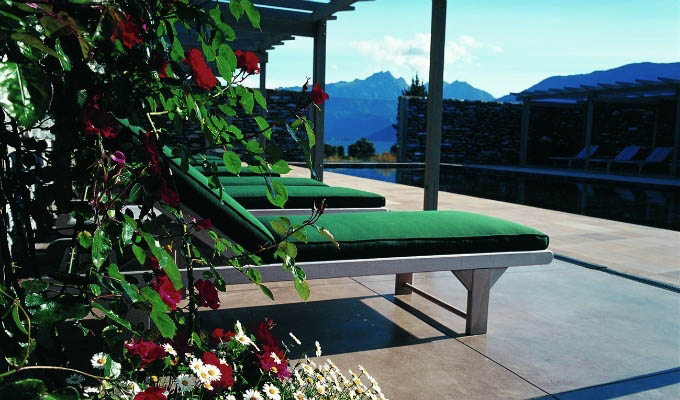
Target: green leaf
{"x": 264, "y": 126}
{"x": 236, "y": 9}
{"x": 177, "y": 52}
{"x": 252, "y": 13}
{"x": 266, "y": 291}
{"x": 34, "y": 299}
{"x": 139, "y": 253}
{"x": 35, "y": 285}
{"x": 165, "y": 261}
{"x": 130, "y": 290}
{"x": 259, "y": 98}
{"x": 281, "y": 167}
{"x": 55, "y": 311}
{"x": 17, "y": 320}
{"x": 115, "y": 318}
{"x": 216, "y": 14}
{"x": 127, "y": 232}
{"x": 228, "y": 111}
{"x": 164, "y": 324}
{"x": 254, "y": 146}
{"x": 300, "y": 235}
{"x": 310, "y": 134}
{"x": 154, "y": 298}
{"x": 67, "y": 393}
{"x": 232, "y": 162}
{"x": 135, "y": 192}
{"x": 101, "y": 245}
{"x": 85, "y": 239}
{"x": 254, "y": 275}
{"x": 25, "y": 389}
{"x": 302, "y": 288}
{"x": 34, "y": 42}
{"x": 95, "y": 289}
{"x": 276, "y": 192}
{"x": 24, "y": 92}
{"x": 247, "y": 101}
{"x": 281, "y": 225}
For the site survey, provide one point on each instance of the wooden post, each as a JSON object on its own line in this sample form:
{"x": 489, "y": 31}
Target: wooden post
{"x": 676, "y": 135}
{"x": 263, "y": 82}
{"x": 655, "y": 129}
{"x": 319, "y": 77}
{"x": 402, "y": 125}
{"x": 524, "y": 132}
{"x": 434, "y": 104}
{"x": 589, "y": 130}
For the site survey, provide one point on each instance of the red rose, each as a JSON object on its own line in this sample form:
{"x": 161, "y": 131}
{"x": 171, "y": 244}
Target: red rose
{"x": 167, "y": 291}
{"x": 247, "y": 61}
{"x": 204, "y": 224}
{"x": 203, "y": 75}
{"x": 151, "y": 393}
{"x": 160, "y": 64}
{"x": 148, "y": 351}
{"x": 98, "y": 122}
{"x": 318, "y": 95}
{"x": 220, "y": 336}
{"x": 264, "y": 335}
{"x": 207, "y": 294}
{"x": 269, "y": 363}
{"x": 169, "y": 196}
{"x": 128, "y": 32}
{"x": 226, "y": 371}
{"x": 152, "y": 153}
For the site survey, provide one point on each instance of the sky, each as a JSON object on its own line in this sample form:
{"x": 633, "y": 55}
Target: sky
{"x": 500, "y": 46}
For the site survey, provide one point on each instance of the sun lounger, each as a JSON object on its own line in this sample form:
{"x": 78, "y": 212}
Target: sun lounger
{"x": 657, "y": 156}
{"x": 579, "y": 157}
{"x": 627, "y": 154}
{"x": 477, "y": 249}
{"x": 303, "y": 193}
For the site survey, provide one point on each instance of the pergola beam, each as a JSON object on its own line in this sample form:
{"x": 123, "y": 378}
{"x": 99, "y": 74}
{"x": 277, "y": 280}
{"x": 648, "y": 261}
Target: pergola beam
{"x": 330, "y": 8}
{"x": 293, "y": 4}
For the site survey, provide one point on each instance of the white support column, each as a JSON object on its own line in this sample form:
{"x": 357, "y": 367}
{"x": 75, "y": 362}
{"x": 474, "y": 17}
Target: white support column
{"x": 434, "y": 104}
{"x": 402, "y": 126}
{"x": 676, "y": 135}
{"x": 524, "y": 132}
{"x": 319, "y": 77}
{"x": 589, "y": 130}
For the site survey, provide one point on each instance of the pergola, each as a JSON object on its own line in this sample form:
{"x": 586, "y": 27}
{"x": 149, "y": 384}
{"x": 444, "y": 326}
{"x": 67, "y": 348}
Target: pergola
{"x": 641, "y": 91}
{"x": 282, "y": 20}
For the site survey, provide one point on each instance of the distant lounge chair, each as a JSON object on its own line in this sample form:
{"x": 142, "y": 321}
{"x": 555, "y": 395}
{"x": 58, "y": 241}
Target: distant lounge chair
{"x": 580, "y": 156}
{"x": 626, "y": 154}
{"x": 657, "y": 156}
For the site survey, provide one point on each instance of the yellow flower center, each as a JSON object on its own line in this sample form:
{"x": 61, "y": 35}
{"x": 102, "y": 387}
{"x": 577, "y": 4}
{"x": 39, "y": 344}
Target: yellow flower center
{"x": 274, "y": 370}
{"x": 101, "y": 361}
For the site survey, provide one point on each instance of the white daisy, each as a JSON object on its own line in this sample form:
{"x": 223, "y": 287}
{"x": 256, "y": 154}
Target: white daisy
{"x": 186, "y": 382}
{"x": 90, "y": 391}
{"x": 318, "y": 348}
{"x": 308, "y": 369}
{"x": 196, "y": 365}
{"x": 243, "y": 339}
{"x": 239, "y": 328}
{"x": 223, "y": 361}
{"x": 299, "y": 396}
{"x": 274, "y": 357}
{"x": 321, "y": 388}
{"x": 169, "y": 349}
{"x": 99, "y": 360}
{"x": 75, "y": 379}
{"x": 271, "y": 391}
{"x": 214, "y": 373}
{"x": 203, "y": 374}
{"x": 132, "y": 387}
{"x": 251, "y": 394}
{"x": 230, "y": 397}
{"x": 295, "y": 338}
{"x": 207, "y": 386}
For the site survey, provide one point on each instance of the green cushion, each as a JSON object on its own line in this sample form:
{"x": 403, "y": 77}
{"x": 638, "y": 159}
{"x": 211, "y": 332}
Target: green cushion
{"x": 259, "y": 180}
{"x": 223, "y": 171}
{"x": 412, "y": 233}
{"x": 255, "y": 197}
{"x": 225, "y": 213}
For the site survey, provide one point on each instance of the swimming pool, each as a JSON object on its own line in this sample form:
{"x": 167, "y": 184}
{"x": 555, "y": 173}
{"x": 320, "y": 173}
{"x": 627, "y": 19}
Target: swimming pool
{"x": 650, "y": 205}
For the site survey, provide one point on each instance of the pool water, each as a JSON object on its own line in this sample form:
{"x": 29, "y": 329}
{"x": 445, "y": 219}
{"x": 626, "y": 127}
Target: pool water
{"x": 650, "y": 205}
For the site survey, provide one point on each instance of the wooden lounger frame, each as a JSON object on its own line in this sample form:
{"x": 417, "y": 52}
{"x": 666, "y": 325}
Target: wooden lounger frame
{"x": 477, "y": 272}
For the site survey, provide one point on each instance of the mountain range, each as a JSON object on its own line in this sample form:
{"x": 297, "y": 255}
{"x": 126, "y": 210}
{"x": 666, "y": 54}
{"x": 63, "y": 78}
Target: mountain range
{"x": 368, "y": 107}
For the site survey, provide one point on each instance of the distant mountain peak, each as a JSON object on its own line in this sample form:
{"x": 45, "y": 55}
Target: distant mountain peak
{"x": 625, "y": 73}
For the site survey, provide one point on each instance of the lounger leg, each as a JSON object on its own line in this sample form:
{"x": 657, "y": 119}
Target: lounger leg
{"x": 478, "y": 282}
{"x": 400, "y": 284}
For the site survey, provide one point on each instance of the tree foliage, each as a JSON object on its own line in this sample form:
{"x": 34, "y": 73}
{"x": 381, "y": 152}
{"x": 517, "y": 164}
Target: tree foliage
{"x": 362, "y": 148}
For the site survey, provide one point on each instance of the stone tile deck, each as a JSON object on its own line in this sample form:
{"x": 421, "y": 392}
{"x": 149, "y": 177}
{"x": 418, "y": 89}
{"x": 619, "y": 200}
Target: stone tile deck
{"x": 639, "y": 250}
{"x": 555, "y": 332}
